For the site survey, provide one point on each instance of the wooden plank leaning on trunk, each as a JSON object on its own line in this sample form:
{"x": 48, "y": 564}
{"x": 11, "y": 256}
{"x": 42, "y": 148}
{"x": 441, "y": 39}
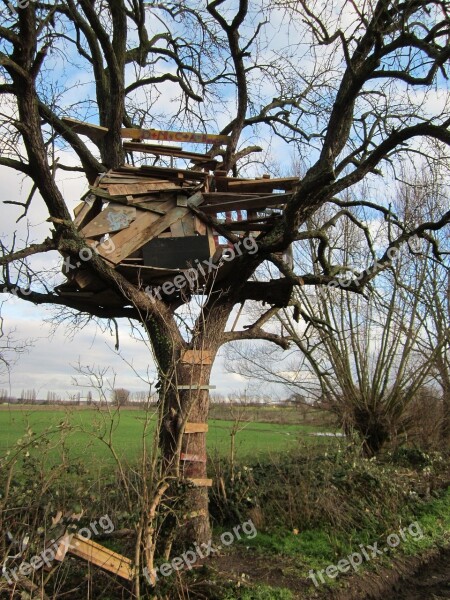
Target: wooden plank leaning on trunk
{"x": 144, "y": 229}
{"x": 96, "y": 554}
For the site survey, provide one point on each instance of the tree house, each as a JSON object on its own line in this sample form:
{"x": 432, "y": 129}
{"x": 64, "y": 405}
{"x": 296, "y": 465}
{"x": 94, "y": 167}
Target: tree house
{"x": 153, "y": 223}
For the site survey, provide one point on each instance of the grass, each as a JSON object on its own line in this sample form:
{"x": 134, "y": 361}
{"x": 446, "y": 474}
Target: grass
{"x": 315, "y": 549}
{"x": 87, "y": 424}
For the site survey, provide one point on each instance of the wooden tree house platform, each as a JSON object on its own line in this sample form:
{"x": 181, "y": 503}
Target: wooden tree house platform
{"x": 153, "y": 223}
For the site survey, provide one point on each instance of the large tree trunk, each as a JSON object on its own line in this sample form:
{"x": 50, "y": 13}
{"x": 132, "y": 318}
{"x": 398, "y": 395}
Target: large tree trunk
{"x": 184, "y": 454}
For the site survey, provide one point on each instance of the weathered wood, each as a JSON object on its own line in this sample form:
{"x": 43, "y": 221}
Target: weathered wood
{"x": 144, "y": 229}
{"x": 259, "y": 202}
{"x": 91, "y": 208}
{"x": 196, "y": 428}
{"x": 197, "y": 357}
{"x": 173, "y": 174}
{"x": 113, "y": 218}
{"x": 187, "y": 223}
{"x": 192, "y": 458}
{"x": 158, "y": 150}
{"x": 200, "y": 482}
{"x": 266, "y": 185}
{"x": 94, "y": 132}
{"x": 218, "y": 197}
{"x": 199, "y": 226}
{"x": 196, "y": 387}
{"x": 173, "y": 136}
{"x": 98, "y": 555}
{"x": 86, "y": 279}
{"x": 139, "y": 188}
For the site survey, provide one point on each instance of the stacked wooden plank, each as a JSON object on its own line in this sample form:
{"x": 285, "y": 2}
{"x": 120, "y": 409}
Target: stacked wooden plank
{"x": 153, "y": 223}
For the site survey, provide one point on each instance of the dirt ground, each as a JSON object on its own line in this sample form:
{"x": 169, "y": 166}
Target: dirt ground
{"x": 431, "y": 582}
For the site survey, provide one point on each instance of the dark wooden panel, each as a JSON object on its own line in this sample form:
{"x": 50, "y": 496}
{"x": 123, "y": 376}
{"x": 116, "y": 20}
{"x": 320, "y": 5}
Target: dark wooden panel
{"x": 176, "y": 253}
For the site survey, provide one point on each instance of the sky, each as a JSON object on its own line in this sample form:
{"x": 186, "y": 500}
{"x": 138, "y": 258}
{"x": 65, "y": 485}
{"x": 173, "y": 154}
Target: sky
{"x": 48, "y": 364}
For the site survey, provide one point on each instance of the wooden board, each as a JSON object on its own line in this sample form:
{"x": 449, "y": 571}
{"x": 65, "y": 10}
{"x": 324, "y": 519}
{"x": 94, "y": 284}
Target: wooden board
{"x": 90, "y": 209}
{"x": 94, "y": 132}
{"x": 173, "y": 174}
{"x": 143, "y": 230}
{"x": 196, "y": 387}
{"x": 127, "y": 189}
{"x": 200, "y": 482}
{"x": 113, "y": 218}
{"x": 174, "y": 136}
{"x": 100, "y": 556}
{"x": 197, "y": 357}
{"x": 192, "y": 458}
{"x": 264, "y": 185}
{"x": 159, "y": 150}
{"x": 196, "y": 428}
{"x": 260, "y": 202}
{"x": 188, "y": 225}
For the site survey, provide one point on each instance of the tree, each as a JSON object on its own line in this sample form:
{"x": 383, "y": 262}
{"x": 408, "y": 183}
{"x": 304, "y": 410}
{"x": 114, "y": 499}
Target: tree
{"x": 357, "y": 356}
{"x": 351, "y": 97}
{"x": 121, "y": 396}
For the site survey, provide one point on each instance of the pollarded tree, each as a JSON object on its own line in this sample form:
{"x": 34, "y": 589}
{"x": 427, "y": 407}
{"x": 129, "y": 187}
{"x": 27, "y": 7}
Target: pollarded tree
{"x": 354, "y": 89}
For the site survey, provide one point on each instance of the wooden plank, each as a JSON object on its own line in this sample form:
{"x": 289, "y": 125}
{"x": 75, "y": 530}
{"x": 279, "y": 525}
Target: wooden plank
{"x": 173, "y": 136}
{"x": 200, "y": 482}
{"x": 176, "y": 229}
{"x": 90, "y": 209}
{"x": 78, "y": 207}
{"x": 197, "y": 357}
{"x": 139, "y": 188}
{"x": 63, "y": 547}
{"x": 192, "y": 458}
{"x": 143, "y": 230}
{"x": 94, "y": 132}
{"x": 173, "y": 174}
{"x": 102, "y": 557}
{"x": 259, "y": 202}
{"x": 199, "y": 226}
{"x": 196, "y": 428}
{"x": 217, "y": 197}
{"x": 159, "y": 150}
{"x": 196, "y": 387}
{"x": 266, "y": 185}
{"x": 87, "y": 279}
{"x": 113, "y": 218}
{"x": 188, "y": 225}
{"x": 104, "y": 195}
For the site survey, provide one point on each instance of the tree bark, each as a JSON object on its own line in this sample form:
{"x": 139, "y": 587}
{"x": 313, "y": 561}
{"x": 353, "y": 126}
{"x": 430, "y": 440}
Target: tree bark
{"x": 184, "y": 454}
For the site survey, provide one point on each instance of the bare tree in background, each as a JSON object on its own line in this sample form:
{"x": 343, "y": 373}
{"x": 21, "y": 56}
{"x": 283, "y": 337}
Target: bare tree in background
{"x": 351, "y": 90}
{"x": 363, "y": 357}
{"x": 120, "y": 396}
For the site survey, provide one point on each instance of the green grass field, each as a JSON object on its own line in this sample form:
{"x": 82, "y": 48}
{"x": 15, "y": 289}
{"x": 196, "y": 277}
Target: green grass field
{"x": 257, "y": 439}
